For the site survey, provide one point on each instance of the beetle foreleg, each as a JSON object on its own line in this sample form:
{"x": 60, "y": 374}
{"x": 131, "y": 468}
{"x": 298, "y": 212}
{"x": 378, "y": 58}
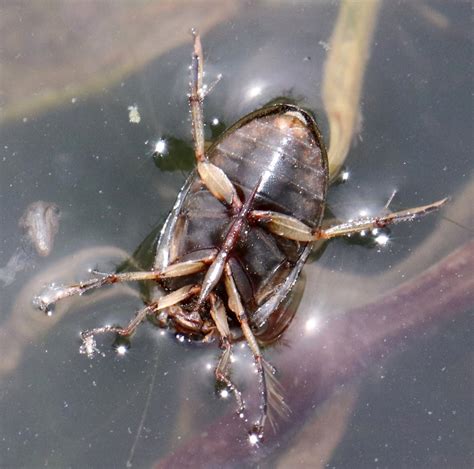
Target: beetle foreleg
{"x": 88, "y": 342}
{"x": 89, "y": 347}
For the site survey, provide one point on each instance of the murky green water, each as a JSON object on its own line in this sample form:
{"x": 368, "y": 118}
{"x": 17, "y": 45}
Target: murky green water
{"x": 413, "y": 409}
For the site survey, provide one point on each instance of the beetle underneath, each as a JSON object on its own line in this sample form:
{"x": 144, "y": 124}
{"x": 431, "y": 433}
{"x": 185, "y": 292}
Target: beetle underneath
{"x": 238, "y": 236}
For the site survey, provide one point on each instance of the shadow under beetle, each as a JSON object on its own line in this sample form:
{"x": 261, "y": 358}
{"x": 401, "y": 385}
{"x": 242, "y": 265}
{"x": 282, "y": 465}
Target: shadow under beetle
{"x": 237, "y": 237}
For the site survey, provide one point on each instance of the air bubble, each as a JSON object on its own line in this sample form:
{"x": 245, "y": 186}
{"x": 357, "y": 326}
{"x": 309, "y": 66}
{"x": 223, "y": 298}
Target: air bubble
{"x": 43, "y": 303}
{"x": 121, "y": 345}
{"x": 161, "y": 147}
{"x": 255, "y": 437}
{"x": 89, "y": 346}
{"x": 382, "y": 239}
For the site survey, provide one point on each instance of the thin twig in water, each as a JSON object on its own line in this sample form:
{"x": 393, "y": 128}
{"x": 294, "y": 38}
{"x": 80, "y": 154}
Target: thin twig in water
{"x": 144, "y": 414}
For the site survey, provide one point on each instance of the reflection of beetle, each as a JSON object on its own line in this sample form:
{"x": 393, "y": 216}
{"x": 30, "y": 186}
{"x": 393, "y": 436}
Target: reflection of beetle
{"x": 238, "y": 235}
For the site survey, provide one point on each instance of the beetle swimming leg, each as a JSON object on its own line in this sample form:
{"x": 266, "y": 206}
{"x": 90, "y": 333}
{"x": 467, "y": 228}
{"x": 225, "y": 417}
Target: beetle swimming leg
{"x": 218, "y": 184}
{"x": 219, "y": 316}
{"x": 212, "y": 176}
{"x": 370, "y": 223}
{"x": 48, "y": 298}
{"x": 88, "y": 343}
{"x": 291, "y": 228}
{"x": 196, "y": 98}
{"x": 270, "y": 390}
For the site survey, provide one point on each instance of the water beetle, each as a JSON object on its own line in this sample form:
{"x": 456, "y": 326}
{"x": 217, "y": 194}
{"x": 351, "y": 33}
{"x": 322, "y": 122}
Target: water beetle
{"x": 238, "y": 236}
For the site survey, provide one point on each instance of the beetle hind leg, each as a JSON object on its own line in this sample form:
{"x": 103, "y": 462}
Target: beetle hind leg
{"x": 276, "y": 403}
{"x": 271, "y": 397}
{"x": 292, "y": 228}
{"x": 370, "y": 223}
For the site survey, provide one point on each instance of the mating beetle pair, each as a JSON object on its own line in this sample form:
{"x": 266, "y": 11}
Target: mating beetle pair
{"x": 238, "y": 236}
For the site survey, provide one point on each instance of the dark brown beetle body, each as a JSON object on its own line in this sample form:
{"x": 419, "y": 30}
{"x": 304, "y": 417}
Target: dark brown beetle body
{"x": 282, "y": 144}
{"x": 237, "y": 239}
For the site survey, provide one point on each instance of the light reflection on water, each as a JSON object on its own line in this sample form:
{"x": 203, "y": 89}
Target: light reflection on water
{"x": 59, "y": 408}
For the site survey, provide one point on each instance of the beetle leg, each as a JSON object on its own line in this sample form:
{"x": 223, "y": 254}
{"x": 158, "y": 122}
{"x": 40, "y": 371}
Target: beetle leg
{"x": 270, "y": 392}
{"x": 219, "y": 316}
{"x": 370, "y": 223}
{"x": 212, "y": 176}
{"x": 282, "y": 225}
{"x": 88, "y": 342}
{"x": 214, "y": 273}
{"x": 196, "y": 98}
{"x": 218, "y": 184}
{"x": 46, "y": 300}
{"x": 292, "y": 228}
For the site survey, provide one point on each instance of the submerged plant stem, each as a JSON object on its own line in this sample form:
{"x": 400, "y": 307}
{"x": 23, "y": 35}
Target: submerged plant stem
{"x": 344, "y": 75}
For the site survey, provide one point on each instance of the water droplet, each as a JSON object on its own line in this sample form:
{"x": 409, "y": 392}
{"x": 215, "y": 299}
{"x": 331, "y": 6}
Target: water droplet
{"x": 253, "y": 439}
{"x": 382, "y": 239}
{"x": 121, "y": 345}
{"x": 161, "y": 147}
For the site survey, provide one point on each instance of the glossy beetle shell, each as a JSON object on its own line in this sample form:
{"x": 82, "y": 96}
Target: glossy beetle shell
{"x": 282, "y": 145}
